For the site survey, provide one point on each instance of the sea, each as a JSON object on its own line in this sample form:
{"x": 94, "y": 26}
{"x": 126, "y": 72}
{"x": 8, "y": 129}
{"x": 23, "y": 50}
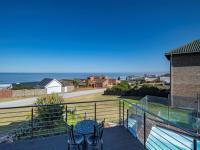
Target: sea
{"x": 9, "y": 78}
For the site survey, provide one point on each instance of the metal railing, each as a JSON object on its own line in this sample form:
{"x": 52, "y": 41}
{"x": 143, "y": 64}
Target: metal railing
{"x": 19, "y": 123}
{"x": 161, "y": 107}
{"x": 155, "y": 132}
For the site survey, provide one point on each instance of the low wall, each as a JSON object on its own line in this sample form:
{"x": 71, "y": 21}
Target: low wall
{"x": 70, "y": 88}
{"x": 32, "y": 92}
{"x": 67, "y": 89}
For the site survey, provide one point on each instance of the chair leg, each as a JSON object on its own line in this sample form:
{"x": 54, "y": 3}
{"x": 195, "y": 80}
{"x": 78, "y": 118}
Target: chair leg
{"x": 68, "y": 147}
{"x": 78, "y": 147}
{"x": 101, "y": 146}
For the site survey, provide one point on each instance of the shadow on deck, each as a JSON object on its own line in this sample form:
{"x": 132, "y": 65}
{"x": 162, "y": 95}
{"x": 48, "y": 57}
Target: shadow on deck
{"x": 116, "y": 138}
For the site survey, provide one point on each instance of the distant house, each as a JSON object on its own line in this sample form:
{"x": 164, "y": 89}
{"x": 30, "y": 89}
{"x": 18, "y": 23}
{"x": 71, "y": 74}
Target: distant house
{"x": 112, "y": 82}
{"x": 185, "y": 75}
{"x": 134, "y": 78}
{"x": 165, "y": 79}
{"x": 67, "y": 85}
{"x": 51, "y": 85}
{"x": 101, "y": 82}
{"x": 150, "y": 79}
{"x": 5, "y": 86}
{"x": 122, "y": 78}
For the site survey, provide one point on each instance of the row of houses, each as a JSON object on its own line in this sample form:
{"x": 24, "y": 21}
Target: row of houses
{"x": 101, "y": 82}
{"x": 58, "y": 86}
{"x": 164, "y": 78}
{"x": 50, "y": 85}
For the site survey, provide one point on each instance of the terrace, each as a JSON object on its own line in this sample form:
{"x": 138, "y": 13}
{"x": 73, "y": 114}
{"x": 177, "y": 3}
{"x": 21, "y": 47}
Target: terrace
{"x": 127, "y": 126}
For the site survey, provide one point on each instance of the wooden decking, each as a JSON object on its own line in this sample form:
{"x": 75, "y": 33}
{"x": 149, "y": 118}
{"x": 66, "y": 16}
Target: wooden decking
{"x": 116, "y": 138}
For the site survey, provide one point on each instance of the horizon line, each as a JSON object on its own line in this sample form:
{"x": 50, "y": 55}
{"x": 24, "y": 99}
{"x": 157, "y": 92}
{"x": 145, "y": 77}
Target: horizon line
{"x": 94, "y": 72}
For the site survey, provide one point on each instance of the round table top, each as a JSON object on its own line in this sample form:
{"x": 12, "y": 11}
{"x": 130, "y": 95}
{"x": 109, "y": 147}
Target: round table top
{"x": 85, "y": 127}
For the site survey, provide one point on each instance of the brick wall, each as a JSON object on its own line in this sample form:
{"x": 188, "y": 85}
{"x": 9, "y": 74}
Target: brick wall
{"x": 5, "y": 93}
{"x": 185, "y": 80}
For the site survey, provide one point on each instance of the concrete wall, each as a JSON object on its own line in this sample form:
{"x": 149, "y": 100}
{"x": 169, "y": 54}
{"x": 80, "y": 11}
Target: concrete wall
{"x": 185, "y": 84}
{"x": 68, "y": 88}
{"x": 33, "y": 92}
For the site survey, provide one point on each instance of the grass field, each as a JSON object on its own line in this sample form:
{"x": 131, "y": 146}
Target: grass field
{"x": 91, "y": 97}
{"x": 12, "y": 119}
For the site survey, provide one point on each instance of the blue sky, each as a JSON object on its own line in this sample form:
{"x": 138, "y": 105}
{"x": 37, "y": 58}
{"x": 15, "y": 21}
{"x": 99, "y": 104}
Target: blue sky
{"x": 95, "y": 35}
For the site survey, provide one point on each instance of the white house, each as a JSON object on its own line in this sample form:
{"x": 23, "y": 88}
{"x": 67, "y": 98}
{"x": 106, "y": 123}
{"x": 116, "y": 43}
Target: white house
{"x": 51, "y": 85}
{"x": 5, "y": 86}
{"x": 150, "y": 79}
{"x": 165, "y": 80}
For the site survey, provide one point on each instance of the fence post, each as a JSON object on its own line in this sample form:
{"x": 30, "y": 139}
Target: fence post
{"x": 32, "y": 122}
{"x": 195, "y": 144}
{"x": 66, "y": 113}
{"x": 95, "y": 111}
{"x": 119, "y": 112}
{"x": 123, "y": 113}
{"x": 144, "y": 130}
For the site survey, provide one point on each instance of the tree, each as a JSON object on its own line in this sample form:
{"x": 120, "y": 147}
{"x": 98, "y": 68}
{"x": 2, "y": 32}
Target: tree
{"x": 49, "y": 111}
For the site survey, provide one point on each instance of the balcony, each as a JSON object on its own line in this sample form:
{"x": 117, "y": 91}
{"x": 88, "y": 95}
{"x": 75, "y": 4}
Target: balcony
{"x": 127, "y": 126}
{"x": 115, "y": 138}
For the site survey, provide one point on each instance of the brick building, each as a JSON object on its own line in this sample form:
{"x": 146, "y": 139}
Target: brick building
{"x": 101, "y": 82}
{"x": 185, "y": 75}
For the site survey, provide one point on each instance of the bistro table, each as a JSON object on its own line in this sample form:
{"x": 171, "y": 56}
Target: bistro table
{"x": 85, "y": 127}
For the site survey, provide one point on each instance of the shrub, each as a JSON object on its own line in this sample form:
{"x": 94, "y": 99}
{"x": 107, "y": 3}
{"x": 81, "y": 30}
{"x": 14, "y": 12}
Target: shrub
{"x": 122, "y": 90}
{"x": 147, "y": 90}
{"x": 51, "y": 114}
{"x": 118, "y": 89}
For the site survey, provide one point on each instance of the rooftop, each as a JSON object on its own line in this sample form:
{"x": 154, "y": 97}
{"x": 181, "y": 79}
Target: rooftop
{"x": 193, "y": 47}
{"x": 45, "y": 81}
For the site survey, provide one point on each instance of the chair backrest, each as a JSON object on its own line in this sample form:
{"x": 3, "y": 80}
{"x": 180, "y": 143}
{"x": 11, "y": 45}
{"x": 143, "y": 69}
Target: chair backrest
{"x": 70, "y": 133}
{"x": 98, "y": 132}
{"x": 100, "y": 129}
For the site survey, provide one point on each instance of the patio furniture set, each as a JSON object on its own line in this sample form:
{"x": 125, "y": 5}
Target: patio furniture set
{"x": 86, "y": 135}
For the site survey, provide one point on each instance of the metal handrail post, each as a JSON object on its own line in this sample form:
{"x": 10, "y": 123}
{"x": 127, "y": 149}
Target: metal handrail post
{"x": 123, "y": 113}
{"x": 127, "y": 117}
{"x": 32, "y": 123}
{"x": 194, "y": 144}
{"x": 95, "y": 111}
{"x": 66, "y": 115}
{"x": 144, "y": 130}
{"x": 120, "y": 112}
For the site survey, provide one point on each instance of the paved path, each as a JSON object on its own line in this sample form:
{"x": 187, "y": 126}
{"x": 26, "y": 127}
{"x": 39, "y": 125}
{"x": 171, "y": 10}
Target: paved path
{"x": 30, "y": 101}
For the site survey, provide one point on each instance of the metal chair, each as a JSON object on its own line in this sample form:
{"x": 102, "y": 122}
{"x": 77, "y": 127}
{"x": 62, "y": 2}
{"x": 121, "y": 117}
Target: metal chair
{"x": 95, "y": 141}
{"x": 75, "y": 141}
